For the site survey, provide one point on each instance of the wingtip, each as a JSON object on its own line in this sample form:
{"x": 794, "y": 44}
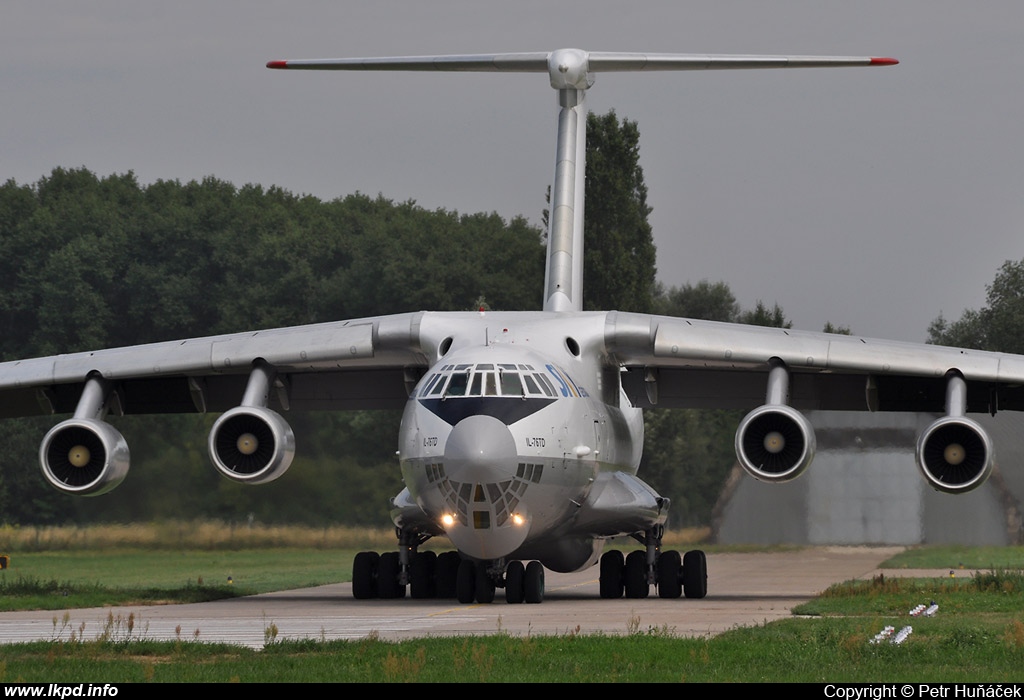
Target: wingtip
{"x": 884, "y": 61}
{"x": 277, "y": 64}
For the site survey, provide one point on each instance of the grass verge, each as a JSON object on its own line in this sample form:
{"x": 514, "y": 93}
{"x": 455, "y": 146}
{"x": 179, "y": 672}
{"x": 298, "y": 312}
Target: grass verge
{"x": 956, "y": 648}
{"x": 71, "y": 579}
{"x": 976, "y": 635}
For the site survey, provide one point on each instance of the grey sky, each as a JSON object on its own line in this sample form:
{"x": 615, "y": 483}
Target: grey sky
{"x": 875, "y": 198}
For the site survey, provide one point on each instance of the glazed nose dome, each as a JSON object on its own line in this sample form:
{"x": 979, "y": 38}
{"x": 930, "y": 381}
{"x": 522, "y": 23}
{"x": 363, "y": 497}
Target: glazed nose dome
{"x": 480, "y": 448}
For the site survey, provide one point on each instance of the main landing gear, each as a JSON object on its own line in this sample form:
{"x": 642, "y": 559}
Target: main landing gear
{"x": 428, "y": 574}
{"x": 672, "y": 574}
{"x": 445, "y": 575}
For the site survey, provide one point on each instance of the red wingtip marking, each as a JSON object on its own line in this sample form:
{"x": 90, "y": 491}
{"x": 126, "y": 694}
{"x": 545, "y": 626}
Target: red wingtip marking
{"x": 884, "y": 61}
{"x": 277, "y": 64}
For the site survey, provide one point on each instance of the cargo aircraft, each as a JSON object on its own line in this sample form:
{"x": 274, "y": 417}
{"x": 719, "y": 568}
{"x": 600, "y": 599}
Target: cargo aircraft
{"x": 522, "y": 431}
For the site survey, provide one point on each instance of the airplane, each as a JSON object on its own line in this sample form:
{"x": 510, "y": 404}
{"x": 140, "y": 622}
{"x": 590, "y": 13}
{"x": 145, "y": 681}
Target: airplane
{"x": 522, "y": 431}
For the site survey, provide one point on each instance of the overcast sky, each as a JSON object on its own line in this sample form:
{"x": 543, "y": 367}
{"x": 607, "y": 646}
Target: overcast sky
{"x": 874, "y": 198}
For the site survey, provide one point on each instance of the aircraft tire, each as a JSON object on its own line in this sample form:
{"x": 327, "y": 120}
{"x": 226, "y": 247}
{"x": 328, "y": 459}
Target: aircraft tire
{"x": 515, "y": 586}
{"x": 364, "y": 575}
{"x": 635, "y": 575}
{"x": 534, "y": 583}
{"x": 610, "y": 581}
{"x": 465, "y": 581}
{"x": 446, "y": 573}
{"x": 695, "y": 574}
{"x": 484, "y": 584}
{"x": 387, "y": 576}
{"x": 422, "y": 571}
{"x": 670, "y": 575}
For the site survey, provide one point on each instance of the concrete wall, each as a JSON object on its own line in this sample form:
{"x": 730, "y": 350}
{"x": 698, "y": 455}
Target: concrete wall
{"x": 864, "y": 487}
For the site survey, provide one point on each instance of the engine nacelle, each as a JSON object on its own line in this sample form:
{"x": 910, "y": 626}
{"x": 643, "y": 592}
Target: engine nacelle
{"x": 252, "y": 445}
{"x": 955, "y": 454}
{"x": 84, "y": 457}
{"x": 775, "y": 443}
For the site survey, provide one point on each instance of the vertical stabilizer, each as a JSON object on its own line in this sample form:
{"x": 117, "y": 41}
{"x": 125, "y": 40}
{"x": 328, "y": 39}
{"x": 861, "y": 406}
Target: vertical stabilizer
{"x": 571, "y": 72}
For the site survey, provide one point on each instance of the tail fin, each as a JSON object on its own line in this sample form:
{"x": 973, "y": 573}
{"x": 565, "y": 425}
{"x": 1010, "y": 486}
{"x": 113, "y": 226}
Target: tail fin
{"x": 571, "y": 72}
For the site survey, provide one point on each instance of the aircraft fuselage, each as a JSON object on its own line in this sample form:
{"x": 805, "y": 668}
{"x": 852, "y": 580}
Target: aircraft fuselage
{"x": 505, "y": 436}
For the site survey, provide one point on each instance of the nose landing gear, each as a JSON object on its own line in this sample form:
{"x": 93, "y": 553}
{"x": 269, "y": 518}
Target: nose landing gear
{"x": 428, "y": 574}
{"x": 478, "y": 580}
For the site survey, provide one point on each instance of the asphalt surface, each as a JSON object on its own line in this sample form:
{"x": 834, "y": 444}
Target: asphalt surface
{"x": 743, "y": 589}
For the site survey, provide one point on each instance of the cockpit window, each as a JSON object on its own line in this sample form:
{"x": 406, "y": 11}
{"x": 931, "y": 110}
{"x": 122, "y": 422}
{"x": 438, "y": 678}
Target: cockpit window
{"x": 490, "y": 379}
{"x": 428, "y": 384}
{"x": 483, "y": 384}
{"x": 531, "y": 385}
{"x": 438, "y": 385}
{"x": 458, "y": 384}
{"x": 549, "y": 388}
{"x": 511, "y": 385}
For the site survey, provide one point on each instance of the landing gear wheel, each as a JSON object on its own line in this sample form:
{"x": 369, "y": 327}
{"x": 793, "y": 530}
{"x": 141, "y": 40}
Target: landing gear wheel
{"x": 422, "y": 570}
{"x": 364, "y": 575}
{"x": 515, "y": 575}
{"x": 484, "y": 584}
{"x": 612, "y": 564}
{"x": 670, "y": 575}
{"x": 534, "y": 584}
{"x": 465, "y": 581}
{"x": 446, "y": 573}
{"x": 635, "y": 574}
{"x": 388, "y": 570}
{"x": 695, "y": 574}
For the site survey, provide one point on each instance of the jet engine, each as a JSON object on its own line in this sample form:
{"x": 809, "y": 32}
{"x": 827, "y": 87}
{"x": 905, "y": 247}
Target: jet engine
{"x": 251, "y": 444}
{"x": 775, "y": 443}
{"x": 954, "y": 454}
{"x": 84, "y": 457}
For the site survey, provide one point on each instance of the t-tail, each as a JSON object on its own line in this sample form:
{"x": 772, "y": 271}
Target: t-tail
{"x": 572, "y": 72}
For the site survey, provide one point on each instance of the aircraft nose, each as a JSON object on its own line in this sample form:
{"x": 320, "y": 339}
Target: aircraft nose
{"x": 480, "y": 449}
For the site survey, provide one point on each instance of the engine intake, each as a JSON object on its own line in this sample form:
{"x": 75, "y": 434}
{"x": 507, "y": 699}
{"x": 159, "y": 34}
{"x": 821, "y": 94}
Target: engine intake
{"x": 251, "y": 444}
{"x": 954, "y": 454}
{"x": 775, "y": 443}
{"x": 84, "y": 457}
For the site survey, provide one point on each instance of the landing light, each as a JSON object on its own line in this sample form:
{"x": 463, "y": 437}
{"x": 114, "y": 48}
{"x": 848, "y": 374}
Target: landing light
{"x": 517, "y": 519}
{"x": 447, "y": 520}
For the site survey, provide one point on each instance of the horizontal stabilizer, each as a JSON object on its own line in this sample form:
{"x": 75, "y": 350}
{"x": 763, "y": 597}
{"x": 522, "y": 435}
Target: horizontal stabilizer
{"x": 595, "y": 61}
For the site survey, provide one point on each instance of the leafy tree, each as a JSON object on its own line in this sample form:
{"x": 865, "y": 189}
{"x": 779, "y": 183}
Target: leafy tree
{"x": 998, "y": 326}
{"x": 93, "y": 262}
{"x": 688, "y": 453}
{"x": 837, "y": 330}
{"x": 704, "y": 300}
{"x": 760, "y": 315}
{"x": 619, "y": 252}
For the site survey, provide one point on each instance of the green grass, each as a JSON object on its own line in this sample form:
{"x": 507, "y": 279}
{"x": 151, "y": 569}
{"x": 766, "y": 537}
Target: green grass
{"x": 977, "y": 634}
{"x": 69, "y": 579}
{"x": 956, "y": 558}
{"x": 943, "y": 649}
{"x": 998, "y": 591}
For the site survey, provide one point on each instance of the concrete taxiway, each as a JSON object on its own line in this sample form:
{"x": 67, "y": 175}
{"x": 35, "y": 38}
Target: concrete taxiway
{"x": 743, "y": 589}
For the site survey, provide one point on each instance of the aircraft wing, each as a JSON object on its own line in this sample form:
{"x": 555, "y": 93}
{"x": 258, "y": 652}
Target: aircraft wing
{"x": 675, "y": 362}
{"x": 361, "y": 363}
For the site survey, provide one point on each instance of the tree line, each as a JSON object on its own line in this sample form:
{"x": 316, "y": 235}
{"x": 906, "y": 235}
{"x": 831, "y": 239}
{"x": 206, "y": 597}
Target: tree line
{"x": 89, "y": 262}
